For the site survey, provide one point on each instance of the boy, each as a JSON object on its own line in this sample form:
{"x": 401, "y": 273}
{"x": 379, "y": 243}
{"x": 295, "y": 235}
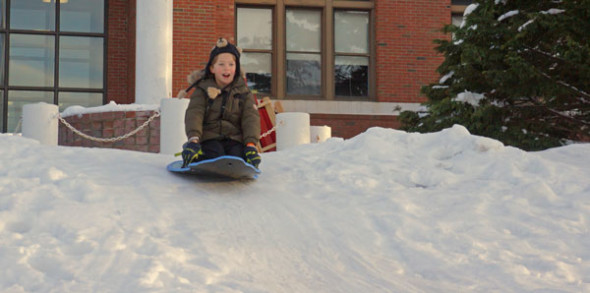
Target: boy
{"x": 222, "y": 117}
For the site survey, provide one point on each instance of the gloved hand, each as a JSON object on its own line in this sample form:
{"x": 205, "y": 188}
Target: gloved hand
{"x": 190, "y": 153}
{"x": 251, "y": 155}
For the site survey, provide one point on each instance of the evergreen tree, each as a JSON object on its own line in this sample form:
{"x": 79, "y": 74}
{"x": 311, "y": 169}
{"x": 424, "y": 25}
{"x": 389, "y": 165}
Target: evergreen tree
{"x": 517, "y": 71}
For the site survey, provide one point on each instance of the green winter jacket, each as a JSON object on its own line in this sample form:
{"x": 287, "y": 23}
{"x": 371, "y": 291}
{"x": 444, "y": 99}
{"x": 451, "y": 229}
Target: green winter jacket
{"x": 240, "y": 120}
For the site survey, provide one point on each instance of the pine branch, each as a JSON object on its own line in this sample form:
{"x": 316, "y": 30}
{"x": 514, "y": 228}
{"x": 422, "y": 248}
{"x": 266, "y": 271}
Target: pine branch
{"x": 552, "y": 56}
{"x": 557, "y": 113}
{"x": 565, "y": 84}
{"x": 559, "y": 82}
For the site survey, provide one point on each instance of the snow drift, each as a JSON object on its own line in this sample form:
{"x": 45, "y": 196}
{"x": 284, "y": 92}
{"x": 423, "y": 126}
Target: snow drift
{"x": 386, "y": 211}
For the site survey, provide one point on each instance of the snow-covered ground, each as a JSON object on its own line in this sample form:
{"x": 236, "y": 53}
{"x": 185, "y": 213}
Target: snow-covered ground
{"x": 386, "y": 211}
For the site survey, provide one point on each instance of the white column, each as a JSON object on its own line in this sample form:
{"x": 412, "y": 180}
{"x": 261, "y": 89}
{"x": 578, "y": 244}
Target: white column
{"x": 153, "y": 51}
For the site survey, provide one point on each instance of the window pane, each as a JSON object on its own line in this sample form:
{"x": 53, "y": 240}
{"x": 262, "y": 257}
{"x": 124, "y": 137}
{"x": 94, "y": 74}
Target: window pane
{"x": 2, "y": 52}
{"x": 351, "y": 30}
{"x": 303, "y": 74}
{"x": 32, "y": 15}
{"x": 81, "y": 62}
{"x": 67, "y": 99}
{"x": 82, "y": 16}
{"x": 304, "y": 30}
{"x": 32, "y": 60}
{"x": 255, "y": 28}
{"x": 2, "y": 111}
{"x": 258, "y": 70}
{"x": 456, "y": 19}
{"x": 16, "y": 101}
{"x": 351, "y": 76}
{"x": 2, "y": 20}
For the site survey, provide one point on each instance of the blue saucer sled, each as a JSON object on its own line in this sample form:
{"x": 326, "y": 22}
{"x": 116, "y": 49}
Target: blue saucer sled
{"x": 222, "y": 167}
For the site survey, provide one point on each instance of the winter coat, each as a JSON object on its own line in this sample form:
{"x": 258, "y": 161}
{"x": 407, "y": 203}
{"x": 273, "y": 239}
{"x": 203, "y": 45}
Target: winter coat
{"x": 207, "y": 119}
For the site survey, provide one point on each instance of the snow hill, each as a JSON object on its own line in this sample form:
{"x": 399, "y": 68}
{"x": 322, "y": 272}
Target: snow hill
{"x": 386, "y": 211}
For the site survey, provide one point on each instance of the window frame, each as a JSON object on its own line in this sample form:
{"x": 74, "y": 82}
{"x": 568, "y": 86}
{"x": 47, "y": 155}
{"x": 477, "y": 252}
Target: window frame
{"x": 327, "y": 54}
{"x": 6, "y": 31}
{"x": 321, "y": 54}
{"x": 272, "y": 50}
{"x": 369, "y": 55}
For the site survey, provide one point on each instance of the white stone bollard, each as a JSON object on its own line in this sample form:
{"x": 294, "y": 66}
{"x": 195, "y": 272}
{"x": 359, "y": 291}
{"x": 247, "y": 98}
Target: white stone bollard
{"x": 292, "y": 129}
{"x": 172, "y": 134}
{"x": 320, "y": 133}
{"x": 40, "y": 122}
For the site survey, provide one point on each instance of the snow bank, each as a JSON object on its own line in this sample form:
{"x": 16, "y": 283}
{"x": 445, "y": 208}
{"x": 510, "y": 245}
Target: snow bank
{"x": 386, "y": 211}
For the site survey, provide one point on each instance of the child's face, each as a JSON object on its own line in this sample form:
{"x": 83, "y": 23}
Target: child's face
{"x": 224, "y": 69}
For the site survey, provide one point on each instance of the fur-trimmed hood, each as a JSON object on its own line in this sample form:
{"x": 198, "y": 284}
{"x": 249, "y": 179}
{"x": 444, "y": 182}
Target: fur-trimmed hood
{"x": 209, "y": 85}
{"x": 197, "y": 75}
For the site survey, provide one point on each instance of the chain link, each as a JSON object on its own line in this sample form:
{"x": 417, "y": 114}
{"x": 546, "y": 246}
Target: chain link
{"x": 273, "y": 129}
{"x": 142, "y": 126}
{"x": 268, "y": 132}
{"x": 18, "y": 126}
{"x": 111, "y": 139}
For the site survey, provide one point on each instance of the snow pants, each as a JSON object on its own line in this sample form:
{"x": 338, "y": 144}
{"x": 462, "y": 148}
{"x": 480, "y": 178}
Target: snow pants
{"x": 226, "y": 147}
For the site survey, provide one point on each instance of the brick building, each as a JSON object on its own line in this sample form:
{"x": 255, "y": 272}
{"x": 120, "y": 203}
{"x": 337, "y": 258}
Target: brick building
{"x": 350, "y": 64}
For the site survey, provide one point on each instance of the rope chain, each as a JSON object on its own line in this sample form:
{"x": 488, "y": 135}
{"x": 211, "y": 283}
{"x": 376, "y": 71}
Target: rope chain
{"x": 273, "y": 129}
{"x": 268, "y": 132}
{"x": 18, "y": 126}
{"x": 118, "y": 138}
{"x": 111, "y": 139}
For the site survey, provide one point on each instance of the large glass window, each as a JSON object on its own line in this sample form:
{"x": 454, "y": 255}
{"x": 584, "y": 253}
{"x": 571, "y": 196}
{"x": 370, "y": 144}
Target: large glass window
{"x": 308, "y": 49}
{"x": 351, "y": 44}
{"x": 32, "y": 15}
{"x": 457, "y": 10}
{"x": 17, "y": 99}
{"x": 2, "y": 110}
{"x": 67, "y": 99}
{"x": 304, "y": 45}
{"x": 58, "y": 60}
{"x": 32, "y": 60}
{"x": 2, "y": 13}
{"x": 1, "y": 60}
{"x": 254, "y": 31}
{"x": 80, "y": 62}
{"x": 82, "y": 16}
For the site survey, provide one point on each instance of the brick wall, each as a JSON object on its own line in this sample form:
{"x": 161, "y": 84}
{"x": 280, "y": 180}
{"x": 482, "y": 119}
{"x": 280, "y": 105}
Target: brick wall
{"x": 121, "y": 51}
{"x": 197, "y": 25}
{"x": 406, "y": 60}
{"x": 112, "y": 125}
{"x": 347, "y": 126}
{"x": 405, "y": 56}
{"x": 116, "y": 124}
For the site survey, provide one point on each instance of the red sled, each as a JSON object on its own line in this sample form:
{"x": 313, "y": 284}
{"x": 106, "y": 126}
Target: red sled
{"x": 268, "y": 137}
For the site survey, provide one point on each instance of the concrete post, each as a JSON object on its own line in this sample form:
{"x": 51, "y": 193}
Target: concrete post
{"x": 40, "y": 122}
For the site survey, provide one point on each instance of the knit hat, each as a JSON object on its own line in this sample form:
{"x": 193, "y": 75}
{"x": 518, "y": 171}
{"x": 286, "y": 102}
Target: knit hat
{"x": 223, "y": 46}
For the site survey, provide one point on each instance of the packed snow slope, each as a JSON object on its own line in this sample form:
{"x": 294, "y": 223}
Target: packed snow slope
{"x": 386, "y": 211}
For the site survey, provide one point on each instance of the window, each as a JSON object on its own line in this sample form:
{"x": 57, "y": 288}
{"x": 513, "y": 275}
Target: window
{"x": 254, "y": 31}
{"x": 351, "y": 63}
{"x": 316, "y": 50}
{"x": 51, "y": 51}
{"x": 457, "y": 9}
{"x": 461, "y": 2}
{"x": 303, "y": 52}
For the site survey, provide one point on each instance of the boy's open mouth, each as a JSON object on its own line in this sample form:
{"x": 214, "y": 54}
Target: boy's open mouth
{"x": 226, "y": 75}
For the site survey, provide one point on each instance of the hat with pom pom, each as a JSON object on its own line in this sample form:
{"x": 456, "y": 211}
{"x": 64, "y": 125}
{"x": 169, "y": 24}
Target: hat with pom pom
{"x": 223, "y": 46}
